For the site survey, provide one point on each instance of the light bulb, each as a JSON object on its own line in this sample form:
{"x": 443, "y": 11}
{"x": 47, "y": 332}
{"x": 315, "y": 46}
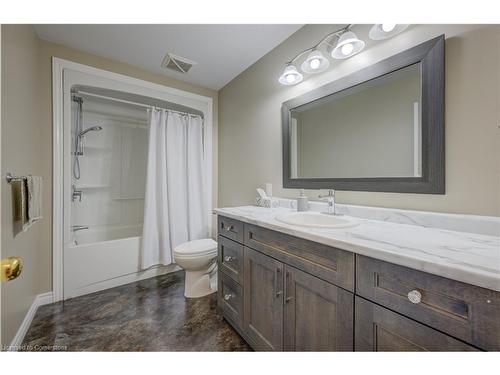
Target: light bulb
{"x": 314, "y": 63}
{"x": 347, "y": 49}
{"x": 290, "y": 78}
{"x": 381, "y": 31}
{"x": 388, "y": 27}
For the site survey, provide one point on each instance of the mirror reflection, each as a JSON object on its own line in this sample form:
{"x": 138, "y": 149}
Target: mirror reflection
{"x": 369, "y": 130}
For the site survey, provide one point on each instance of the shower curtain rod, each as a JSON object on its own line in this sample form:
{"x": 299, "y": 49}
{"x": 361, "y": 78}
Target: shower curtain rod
{"x": 85, "y": 93}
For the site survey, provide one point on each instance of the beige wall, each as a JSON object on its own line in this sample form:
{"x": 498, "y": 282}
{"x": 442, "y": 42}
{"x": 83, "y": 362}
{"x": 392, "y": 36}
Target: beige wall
{"x": 27, "y": 148}
{"x": 250, "y": 119}
{"x": 21, "y": 154}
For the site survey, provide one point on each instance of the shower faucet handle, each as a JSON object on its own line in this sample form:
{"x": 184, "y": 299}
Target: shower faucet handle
{"x": 76, "y": 194}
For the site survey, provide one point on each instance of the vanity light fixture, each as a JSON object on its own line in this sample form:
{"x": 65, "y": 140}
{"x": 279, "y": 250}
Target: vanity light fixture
{"x": 340, "y": 44}
{"x": 382, "y": 31}
{"x": 316, "y": 62}
{"x": 348, "y": 45}
{"x": 290, "y": 76}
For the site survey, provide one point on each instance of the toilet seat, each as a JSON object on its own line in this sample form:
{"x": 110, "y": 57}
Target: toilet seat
{"x": 196, "y": 248}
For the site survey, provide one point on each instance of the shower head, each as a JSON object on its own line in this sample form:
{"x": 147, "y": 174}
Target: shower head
{"x": 93, "y": 128}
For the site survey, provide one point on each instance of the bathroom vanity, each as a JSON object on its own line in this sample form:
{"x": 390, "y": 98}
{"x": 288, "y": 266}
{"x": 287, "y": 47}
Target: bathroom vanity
{"x": 285, "y": 287}
{"x": 378, "y": 284}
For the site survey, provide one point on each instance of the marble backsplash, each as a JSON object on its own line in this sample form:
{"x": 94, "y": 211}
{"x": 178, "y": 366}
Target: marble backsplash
{"x": 487, "y": 225}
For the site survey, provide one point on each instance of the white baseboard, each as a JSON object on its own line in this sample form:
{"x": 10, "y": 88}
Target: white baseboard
{"x": 46, "y": 298}
{"x": 40, "y": 300}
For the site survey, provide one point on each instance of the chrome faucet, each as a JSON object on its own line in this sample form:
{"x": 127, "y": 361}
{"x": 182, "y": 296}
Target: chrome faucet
{"x": 331, "y": 201}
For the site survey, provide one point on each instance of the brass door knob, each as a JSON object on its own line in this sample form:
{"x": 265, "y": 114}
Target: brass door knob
{"x": 10, "y": 268}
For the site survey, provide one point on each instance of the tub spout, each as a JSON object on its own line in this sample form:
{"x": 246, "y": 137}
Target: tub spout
{"x": 76, "y": 228}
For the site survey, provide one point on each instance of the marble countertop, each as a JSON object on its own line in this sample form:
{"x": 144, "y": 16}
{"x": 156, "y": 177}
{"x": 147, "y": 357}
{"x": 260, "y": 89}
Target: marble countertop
{"x": 467, "y": 257}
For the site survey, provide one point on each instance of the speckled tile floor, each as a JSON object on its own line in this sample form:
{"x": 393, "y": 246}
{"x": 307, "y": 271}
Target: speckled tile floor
{"x": 149, "y": 315}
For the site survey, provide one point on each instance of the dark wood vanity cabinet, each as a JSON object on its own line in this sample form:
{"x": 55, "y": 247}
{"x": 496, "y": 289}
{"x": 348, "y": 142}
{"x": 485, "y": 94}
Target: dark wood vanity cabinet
{"x": 466, "y": 312}
{"x": 318, "y": 315}
{"x": 263, "y": 301}
{"x": 381, "y": 330}
{"x": 279, "y": 292}
{"x": 287, "y": 309}
{"x": 285, "y": 293}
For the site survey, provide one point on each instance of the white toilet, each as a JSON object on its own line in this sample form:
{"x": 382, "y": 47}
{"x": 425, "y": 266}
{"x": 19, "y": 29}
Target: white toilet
{"x": 198, "y": 258}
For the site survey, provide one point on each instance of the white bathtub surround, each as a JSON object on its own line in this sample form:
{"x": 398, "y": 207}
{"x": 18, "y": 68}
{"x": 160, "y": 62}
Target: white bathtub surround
{"x": 107, "y": 233}
{"x": 488, "y": 225}
{"x": 174, "y": 208}
{"x": 113, "y": 172}
{"x": 468, "y": 257}
{"x": 101, "y": 265}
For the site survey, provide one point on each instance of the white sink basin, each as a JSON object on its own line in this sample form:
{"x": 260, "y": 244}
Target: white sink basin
{"x": 316, "y": 220}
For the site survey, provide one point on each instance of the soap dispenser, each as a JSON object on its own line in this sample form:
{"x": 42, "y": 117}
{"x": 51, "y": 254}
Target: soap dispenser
{"x": 302, "y": 201}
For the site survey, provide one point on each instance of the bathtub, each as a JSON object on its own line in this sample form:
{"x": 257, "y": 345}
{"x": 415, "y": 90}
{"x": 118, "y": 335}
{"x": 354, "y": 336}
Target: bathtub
{"x": 105, "y": 257}
{"x": 107, "y": 233}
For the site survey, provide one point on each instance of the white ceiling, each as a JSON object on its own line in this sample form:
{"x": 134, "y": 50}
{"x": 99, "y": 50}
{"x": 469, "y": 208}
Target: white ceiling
{"x": 221, "y": 51}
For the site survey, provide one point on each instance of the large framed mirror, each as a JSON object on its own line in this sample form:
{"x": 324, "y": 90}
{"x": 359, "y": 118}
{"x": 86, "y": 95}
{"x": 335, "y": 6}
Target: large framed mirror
{"x": 379, "y": 129}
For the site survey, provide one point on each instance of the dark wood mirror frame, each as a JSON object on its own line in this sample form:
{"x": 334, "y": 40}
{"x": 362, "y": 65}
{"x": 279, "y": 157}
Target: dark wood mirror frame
{"x": 430, "y": 55}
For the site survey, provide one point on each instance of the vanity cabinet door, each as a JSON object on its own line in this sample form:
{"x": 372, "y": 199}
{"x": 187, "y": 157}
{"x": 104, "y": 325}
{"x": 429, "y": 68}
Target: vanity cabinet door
{"x": 318, "y": 315}
{"x": 263, "y": 300}
{"x": 381, "y": 330}
{"x": 464, "y": 311}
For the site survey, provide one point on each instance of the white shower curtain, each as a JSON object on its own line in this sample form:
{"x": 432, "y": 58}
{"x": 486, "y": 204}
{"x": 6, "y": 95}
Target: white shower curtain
{"x": 174, "y": 204}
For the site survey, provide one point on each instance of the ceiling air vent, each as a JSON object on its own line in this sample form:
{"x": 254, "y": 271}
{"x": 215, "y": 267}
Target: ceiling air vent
{"x": 177, "y": 63}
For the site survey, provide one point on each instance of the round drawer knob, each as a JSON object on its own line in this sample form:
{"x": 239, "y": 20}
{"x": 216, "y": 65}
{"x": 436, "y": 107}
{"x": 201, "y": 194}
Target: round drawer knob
{"x": 228, "y": 258}
{"x": 227, "y": 297}
{"x": 415, "y": 296}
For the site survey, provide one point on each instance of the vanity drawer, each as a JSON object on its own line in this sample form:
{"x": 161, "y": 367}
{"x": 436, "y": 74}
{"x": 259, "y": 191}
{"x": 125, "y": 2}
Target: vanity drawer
{"x": 330, "y": 264}
{"x": 466, "y": 312}
{"x": 230, "y": 299}
{"x": 230, "y": 228}
{"x": 231, "y": 258}
{"x": 380, "y": 330}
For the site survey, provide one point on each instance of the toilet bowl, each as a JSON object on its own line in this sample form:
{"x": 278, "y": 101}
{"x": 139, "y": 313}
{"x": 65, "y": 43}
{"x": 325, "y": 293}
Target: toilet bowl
{"x": 198, "y": 259}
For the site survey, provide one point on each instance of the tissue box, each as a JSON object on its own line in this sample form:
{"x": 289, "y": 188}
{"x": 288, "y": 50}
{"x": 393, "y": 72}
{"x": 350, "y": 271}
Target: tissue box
{"x": 266, "y": 202}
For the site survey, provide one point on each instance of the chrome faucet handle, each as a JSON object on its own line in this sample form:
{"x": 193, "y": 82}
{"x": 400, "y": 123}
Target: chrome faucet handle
{"x": 331, "y": 201}
{"x": 76, "y": 194}
{"x": 331, "y": 194}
